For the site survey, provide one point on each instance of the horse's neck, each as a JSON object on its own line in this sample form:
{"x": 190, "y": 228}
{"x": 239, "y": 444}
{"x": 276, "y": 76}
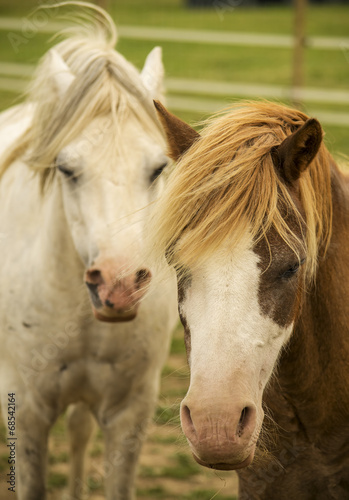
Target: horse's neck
{"x": 39, "y": 226}
{"x": 55, "y": 252}
{"x": 314, "y": 369}
{"x": 60, "y": 260}
{"x": 13, "y": 123}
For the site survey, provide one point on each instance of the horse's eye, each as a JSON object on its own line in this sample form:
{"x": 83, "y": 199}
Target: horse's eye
{"x": 292, "y": 270}
{"x": 157, "y": 172}
{"x": 69, "y": 174}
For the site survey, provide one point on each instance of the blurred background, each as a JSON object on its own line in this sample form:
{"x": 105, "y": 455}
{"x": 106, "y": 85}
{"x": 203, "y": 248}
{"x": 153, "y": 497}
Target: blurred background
{"x": 215, "y": 52}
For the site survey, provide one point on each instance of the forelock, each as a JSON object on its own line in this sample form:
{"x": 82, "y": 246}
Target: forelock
{"x": 226, "y": 185}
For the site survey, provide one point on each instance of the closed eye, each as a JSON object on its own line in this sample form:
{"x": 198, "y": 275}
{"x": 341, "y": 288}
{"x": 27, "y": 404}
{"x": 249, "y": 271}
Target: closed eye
{"x": 157, "y": 172}
{"x": 292, "y": 270}
{"x": 68, "y": 173}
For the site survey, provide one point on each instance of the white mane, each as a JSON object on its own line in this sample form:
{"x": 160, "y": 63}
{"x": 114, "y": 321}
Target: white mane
{"x": 95, "y": 80}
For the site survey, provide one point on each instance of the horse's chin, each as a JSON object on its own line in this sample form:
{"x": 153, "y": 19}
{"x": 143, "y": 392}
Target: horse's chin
{"x": 112, "y": 316}
{"x": 226, "y": 465}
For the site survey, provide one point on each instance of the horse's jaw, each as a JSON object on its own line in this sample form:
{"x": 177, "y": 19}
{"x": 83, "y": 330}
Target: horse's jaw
{"x": 107, "y": 315}
{"x": 228, "y": 465}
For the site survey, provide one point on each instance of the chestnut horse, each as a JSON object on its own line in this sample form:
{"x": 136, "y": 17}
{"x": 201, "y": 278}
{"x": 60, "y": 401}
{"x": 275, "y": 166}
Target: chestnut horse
{"x": 255, "y": 220}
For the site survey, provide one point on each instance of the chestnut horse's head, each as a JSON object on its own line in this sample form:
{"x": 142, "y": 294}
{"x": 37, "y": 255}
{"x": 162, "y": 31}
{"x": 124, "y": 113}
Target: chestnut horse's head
{"x": 242, "y": 224}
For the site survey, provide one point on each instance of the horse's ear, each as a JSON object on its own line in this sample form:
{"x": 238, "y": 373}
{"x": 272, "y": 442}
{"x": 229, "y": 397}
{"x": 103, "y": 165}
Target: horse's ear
{"x": 152, "y": 74}
{"x": 180, "y": 136}
{"x": 62, "y": 77}
{"x": 297, "y": 151}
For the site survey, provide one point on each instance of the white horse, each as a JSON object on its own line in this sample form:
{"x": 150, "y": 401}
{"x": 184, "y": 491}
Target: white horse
{"x": 80, "y": 160}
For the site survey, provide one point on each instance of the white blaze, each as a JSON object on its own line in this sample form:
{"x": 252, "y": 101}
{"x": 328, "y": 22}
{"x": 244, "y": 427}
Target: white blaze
{"x": 231, "y": 340}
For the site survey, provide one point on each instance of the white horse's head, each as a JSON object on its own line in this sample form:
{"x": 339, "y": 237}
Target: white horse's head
{"x": 96, "y": 136}
{"x": 237, "y": 221}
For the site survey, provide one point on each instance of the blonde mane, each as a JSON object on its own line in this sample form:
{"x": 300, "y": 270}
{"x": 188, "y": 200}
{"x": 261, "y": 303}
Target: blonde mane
{"x": 226, "y": 184}
{"x": 105, "y": 84}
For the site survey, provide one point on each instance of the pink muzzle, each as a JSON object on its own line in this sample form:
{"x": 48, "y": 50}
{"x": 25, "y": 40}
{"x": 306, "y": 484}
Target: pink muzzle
{"x": 222, "y": 433}
{"x": 115, "y": 296}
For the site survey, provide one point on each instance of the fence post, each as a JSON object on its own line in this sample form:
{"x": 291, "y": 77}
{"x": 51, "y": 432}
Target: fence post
{"x": 298, "y": 51}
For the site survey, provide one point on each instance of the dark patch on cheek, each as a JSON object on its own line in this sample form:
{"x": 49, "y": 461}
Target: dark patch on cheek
{"x": 187, "y": 336}
{"x": 279, "y": 298}
{"x": 281, "y": 303}
{"x": 183, "y": 285}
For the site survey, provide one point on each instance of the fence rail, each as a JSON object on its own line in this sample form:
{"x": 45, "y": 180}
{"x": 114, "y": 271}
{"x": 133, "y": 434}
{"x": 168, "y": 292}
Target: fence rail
{"x": 204, "y": 105}
{"x": 13, "y": 76}
{"x": 27, "y": 24}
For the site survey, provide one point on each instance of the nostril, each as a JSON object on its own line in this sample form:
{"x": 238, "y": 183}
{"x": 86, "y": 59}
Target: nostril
{"x": 245, "y": 418}
{"x": 109, "y": 304}
{"x": 143, "y": 276}
{"x": 94, "y": 294}
{"x": 186, "y": 420}
{"x": 94, "y": 276}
